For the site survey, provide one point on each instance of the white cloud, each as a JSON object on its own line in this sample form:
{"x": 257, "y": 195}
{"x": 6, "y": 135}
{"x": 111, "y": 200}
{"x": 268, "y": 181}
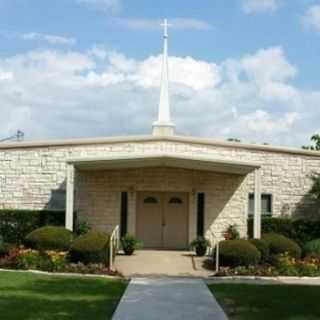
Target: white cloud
{"x": 6, "y": 76}
{"x": 263, "y": 124}
{"x": 270, "y": 71}
{"x": 194, "y": 74}
{"x": 54, "y": 94}
{"x": 102, "y": 4}
{"x": 311, "y": 18}
{"x": 40, "y": 37}
{"x": 154, "y": 24}
{"x": 256, "y": 6}
{"x": 268, "y": 65}
{"x": 51, "y": 39}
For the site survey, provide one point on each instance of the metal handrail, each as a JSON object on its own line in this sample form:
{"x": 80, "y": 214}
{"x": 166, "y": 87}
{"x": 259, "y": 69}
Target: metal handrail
{"x": 217, "y": 245}
{"x": 114, "y": 245}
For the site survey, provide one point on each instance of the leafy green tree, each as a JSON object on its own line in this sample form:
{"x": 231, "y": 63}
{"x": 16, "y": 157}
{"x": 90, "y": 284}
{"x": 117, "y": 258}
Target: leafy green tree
{"x": 315, "y": 190}
{"x": 233, "y": 140}
{"x": 316, "y": 143}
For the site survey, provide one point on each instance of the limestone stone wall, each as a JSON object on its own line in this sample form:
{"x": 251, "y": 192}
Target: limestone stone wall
{"x": 29, "y": 177}
{"x": 98, "y": 196}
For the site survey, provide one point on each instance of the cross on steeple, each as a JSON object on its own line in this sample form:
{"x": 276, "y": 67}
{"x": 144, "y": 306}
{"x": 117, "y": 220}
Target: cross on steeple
{"x": 165, "y": 26}
{"x": 164, "y": 126}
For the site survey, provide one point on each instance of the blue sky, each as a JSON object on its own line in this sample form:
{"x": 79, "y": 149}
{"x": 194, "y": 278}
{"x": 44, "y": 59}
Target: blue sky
{"x": 239, "y": 68}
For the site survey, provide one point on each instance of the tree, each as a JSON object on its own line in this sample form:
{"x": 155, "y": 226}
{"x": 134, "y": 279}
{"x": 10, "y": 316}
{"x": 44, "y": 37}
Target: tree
{"x": 233, "y": 140}
{"x": 315, "y": 190}
{"x": 316, "y": 140}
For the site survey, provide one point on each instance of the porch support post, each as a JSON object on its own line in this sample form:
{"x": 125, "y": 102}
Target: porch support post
{"x": 257, "y": 205}
{"x": 70, "y": 197}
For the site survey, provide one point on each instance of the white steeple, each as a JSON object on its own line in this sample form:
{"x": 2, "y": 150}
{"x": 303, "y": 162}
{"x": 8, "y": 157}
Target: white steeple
{"x": 164, "y": 126}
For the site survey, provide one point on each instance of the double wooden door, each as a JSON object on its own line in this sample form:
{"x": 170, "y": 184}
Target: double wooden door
{"x": 162, "y": 219}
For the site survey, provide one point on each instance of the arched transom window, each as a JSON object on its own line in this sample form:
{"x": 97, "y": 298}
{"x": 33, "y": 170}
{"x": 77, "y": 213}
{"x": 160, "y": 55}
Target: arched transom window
{"x": 175, "y": 200}
{"x": 149, "y": 200}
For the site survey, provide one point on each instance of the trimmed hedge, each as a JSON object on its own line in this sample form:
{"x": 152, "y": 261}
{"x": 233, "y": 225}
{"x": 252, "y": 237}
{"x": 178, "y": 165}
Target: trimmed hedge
{"x": 16, "y": 224}
{"x": 299, "y": 230}
{"x": 91, "y": 247}
{"x": 263, "y": 248}
{"x": 4, "y": 247}
{"x": 279, "y": 244}
{"x": 235, "y": 253}
{"x": 50, "y": 238}
{"x": 312, "y": 247}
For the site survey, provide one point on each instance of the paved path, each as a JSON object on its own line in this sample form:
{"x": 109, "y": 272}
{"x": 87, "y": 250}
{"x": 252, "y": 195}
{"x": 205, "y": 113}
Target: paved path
{"x": 162, "y": 263}
{"x": 168, "y": 298}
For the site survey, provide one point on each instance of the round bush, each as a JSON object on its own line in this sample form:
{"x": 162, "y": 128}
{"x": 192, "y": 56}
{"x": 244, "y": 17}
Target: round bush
{"x": 4, "y": 248}
{"x": 50, "y": 238}
{"x": 312, "y": 247}
{"x": 91, "y": 247}
{"x": 279, "y": 244}
{"x": 235, "y": 253}
{"x": 263, "y": 248}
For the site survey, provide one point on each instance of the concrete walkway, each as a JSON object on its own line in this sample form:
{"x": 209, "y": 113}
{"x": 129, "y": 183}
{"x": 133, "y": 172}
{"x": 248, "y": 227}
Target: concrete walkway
{"x": 162, "y": 263}
{"x": 168, "y": 298}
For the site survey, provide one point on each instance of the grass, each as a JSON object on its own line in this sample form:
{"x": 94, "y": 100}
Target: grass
{"x": 253, "y": 302}
{"x": 39, "y": 297}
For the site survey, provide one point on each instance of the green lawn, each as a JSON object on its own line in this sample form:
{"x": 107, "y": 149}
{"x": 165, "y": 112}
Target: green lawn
{"x": 272, "y": 302}
{"x": 28, "y": 296}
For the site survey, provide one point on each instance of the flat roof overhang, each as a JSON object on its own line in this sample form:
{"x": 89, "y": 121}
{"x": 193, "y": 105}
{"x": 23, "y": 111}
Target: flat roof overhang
{"x": 173, "y": 160}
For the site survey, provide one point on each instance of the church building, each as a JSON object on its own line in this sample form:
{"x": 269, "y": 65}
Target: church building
{"x": 164, "y": 188}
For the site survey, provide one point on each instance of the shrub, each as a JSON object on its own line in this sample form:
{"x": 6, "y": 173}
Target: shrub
{"x": 300, "y": 230}
{"x": 232, "y": 233}
{"x": 82, "y": 227}
{"x": 16, "y": 224}
{"x": 33, "y": 260}
{"x": 263, "y": 248}
{"x": 238, "y": 253}
{"x": 200, "y": 245}
{"x": 284, "y": 265}
{"x": 312, "y": 247}
{"x": 4, "y": 247}
{"x": 91, "y": 247}
{"x": 279, "y": 244}
{"x": 259, "y": 270}
{"x": 315, "y": 190}
{"x": 130, "y": 244}
{"x": 10, "y": 260}
{"x": 50, "y": 238}
{"x": 91, "y": 268}
{"x": 58, "y": 259}
{"x": 41, "y": 260}
{"x": 309, "y": 267}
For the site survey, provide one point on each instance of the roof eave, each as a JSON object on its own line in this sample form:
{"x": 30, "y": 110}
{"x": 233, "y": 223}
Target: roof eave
{"x": 150, "y": 138}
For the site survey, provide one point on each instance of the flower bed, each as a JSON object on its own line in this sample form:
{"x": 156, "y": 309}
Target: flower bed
{"x": 282, "y": 265}
{"x": 278, "y": 256}
{"x": 22, "y": 258}
{"x": 55, "y": 249}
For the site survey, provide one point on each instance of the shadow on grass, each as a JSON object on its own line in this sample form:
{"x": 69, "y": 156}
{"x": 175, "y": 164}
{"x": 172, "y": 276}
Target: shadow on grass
{"x": 67, "y": 286}
{"x": 264, "y": 302}
{"x": 23, "y": 296}
{"x": 36, "y": 308}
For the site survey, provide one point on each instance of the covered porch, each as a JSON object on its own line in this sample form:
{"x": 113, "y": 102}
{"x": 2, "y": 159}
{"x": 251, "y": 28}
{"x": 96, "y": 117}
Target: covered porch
{"x": 170, "y": 196}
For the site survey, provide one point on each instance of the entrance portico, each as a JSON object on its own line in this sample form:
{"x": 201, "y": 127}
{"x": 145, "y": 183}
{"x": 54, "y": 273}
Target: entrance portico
{"x": 210, "y": 192}
{"x": 100, "y": 181}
